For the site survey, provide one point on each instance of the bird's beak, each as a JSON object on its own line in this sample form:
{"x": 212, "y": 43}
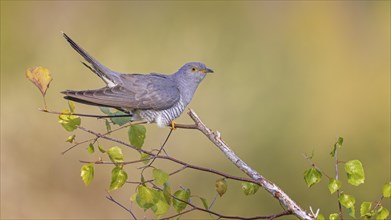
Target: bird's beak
{"x": 207, "y": 70}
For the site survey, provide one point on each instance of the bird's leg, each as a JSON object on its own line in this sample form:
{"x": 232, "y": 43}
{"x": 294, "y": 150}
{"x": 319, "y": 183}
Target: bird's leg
{"x": 173, "y": 125}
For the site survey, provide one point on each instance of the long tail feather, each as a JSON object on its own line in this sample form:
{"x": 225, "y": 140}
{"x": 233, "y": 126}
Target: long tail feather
{"x": 110, "y": 77}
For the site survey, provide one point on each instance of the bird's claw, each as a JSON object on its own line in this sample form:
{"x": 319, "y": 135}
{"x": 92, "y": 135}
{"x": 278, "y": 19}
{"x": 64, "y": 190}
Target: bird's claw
{"x": 173, "y": 125}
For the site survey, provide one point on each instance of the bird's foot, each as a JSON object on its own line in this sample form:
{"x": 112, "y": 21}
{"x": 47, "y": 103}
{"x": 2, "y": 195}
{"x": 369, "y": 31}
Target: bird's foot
{"x": 173, "y": 125}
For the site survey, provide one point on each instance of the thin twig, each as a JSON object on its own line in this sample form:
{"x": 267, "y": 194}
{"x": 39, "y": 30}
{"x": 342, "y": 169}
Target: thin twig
{"x": 85, "y": 115}
{"x": 116, "y": 163}
{"x": 213, "y": 201}
{"x": 161, "y": 147}
{"x": 96, "y": 138}
{"x": 179, "y": 214}
{"x": 314, "y": 166}
{"x": 114, "y": 140}
{"x": 194, "y": 207}
{"x": 336, "y": 178}
{"x": 77, "y": 144}
{"x": 110, "y": 198}
{"x": 378, "y": 203}
{"x": 150, "y": 180}
{"x": 172, "y": 159}
{"x": 286, "y": 212}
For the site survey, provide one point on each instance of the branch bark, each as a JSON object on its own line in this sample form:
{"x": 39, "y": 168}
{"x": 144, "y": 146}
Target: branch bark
{"x": 273, "y": 189}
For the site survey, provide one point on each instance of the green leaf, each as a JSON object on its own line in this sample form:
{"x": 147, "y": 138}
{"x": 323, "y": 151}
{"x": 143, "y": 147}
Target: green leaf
{"x": 133, "y": 197}
{"x": 91, "y": 148}
{"x": 118, "y": 178}
{"x": 160, "y": 176}
{"x": 119, "y": 120}
{"x": 167, "y": 193}
{"x": 312, "y": 176}
{"x": 334, "y": 185}
{"x": 365, "y": 209}
{"x": 115, "y": 120}
{"x": 146, "y": 197}
{"x": 352, "y": 212}
{"x": 249, "y": 188}
{"x": 71, "y": 106}
{"x": 136, "y": 135}
{"x": 204, "y": 203}
{"x": 144, "y": 156}
{"x": 337, "y": 145}
{"x": 115, "y": 154}
{"x": 105, "y": 110}
{"x": 182, "y": 195}
{"x": 355, "y": 172}
{"x": 387, "y": 190}
{"x": 320, "y": 217}
{"x": 161, "y": 207}
{"x": 101, "y": 149}
{"x": 87, "y": 173}
{"x": 69, "y": 122}
{"x": 221, "y": 186}
{"x": 333, "y": 216}
{"x": 382, "y": 213}
{"x": 71, "y": 138}
{"x": 346, "y": 200}
{"x": 108, "y": 126}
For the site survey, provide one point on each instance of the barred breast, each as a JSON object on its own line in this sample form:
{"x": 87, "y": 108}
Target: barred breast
{"x": 163, "y": 117}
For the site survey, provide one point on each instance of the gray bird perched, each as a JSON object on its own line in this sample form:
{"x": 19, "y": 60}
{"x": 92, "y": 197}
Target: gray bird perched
{"x": 155, "y": 98}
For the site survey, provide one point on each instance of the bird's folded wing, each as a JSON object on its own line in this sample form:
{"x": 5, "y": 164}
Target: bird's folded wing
{"x": 137, "y": 92}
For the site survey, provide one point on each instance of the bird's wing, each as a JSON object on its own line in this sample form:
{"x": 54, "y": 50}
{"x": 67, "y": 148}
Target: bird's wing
{"x": 149, "y": 91}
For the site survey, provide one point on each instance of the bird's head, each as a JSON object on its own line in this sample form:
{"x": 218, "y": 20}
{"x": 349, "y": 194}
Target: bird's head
{"x": 194, "y": 70}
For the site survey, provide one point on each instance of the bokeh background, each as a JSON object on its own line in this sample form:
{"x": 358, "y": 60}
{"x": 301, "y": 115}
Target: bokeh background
{"x": 290, "y": 77}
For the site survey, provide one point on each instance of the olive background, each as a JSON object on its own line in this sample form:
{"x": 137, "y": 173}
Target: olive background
{"x": 290, "y": 77}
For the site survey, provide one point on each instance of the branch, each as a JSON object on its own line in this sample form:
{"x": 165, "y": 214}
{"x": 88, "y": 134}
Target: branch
{"x": 110, "y": 198}
{"x": 96, "y": 138}
{"x": 378, "y": 203}
{"x": 169, "y": 158}
{"x": 215, "y": 137}
{"x": 338, "y": 191}
{"x": 274, "y": 190}
{"x": 85, "y": 115}
{"x": 314, "y": 165}
{"x": 220, "y": 216}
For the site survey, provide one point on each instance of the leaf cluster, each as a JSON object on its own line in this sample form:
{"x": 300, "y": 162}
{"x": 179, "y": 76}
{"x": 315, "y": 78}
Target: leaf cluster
{"x": 354, "y": 171}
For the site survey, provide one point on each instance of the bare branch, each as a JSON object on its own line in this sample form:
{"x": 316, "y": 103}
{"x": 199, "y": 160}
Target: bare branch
{"x": 378, "y": 202}
{"x": 161, "y": 147}
{"x": 85, "y": 115}
{"x": 184, "y": 126}
{"x": 110, "y": 198}
{"x": 269, "y": 186}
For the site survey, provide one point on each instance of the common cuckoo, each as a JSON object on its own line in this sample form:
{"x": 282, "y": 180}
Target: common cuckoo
{"x": 155, "y": 98}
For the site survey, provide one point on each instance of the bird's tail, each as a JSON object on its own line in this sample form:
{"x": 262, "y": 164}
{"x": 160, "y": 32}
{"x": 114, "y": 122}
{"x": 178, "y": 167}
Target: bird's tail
{"x": 110, "y": 77}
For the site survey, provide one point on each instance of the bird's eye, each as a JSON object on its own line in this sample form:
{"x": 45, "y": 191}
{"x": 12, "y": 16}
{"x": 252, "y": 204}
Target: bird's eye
{"x": 193, "y": 69}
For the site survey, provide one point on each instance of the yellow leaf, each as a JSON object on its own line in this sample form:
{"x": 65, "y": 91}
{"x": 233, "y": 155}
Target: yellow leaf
{"x": 41, "y": 78}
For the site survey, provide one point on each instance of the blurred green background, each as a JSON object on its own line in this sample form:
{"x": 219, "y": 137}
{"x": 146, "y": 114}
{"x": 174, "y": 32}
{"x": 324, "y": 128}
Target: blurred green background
{"x": 290, "y": 77}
